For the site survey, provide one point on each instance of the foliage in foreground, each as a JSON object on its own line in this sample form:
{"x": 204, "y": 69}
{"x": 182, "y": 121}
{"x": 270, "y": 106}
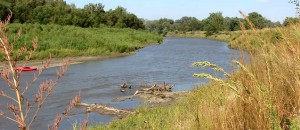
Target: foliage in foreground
{"x": 70, "y": 41}
{"x": 22, "y": 108}
{"x": 264, "y": 94}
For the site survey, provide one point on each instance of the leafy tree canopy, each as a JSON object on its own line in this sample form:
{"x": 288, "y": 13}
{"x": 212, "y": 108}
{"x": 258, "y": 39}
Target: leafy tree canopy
{"x": 258, "y": 20}
{"x": 58, "y": 12}
{"x": 290, "y": 21}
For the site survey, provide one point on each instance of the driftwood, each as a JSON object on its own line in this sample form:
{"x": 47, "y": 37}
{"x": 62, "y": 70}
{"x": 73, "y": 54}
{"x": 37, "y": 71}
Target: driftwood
{"x": 155, "y": 94}
{"x": 102, "y": 109}
{"x": 154, "y": 88}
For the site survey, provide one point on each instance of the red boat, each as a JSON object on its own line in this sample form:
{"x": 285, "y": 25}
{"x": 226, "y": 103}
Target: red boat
{"x": 26, "y": 68}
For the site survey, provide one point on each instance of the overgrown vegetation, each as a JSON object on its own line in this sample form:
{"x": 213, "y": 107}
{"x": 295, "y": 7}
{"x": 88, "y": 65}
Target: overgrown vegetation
{"x": 263, "y": 94}
{"x": 71, "y": 41}
{"x": 58, "y": 12}
{"x": 228, "y": 36}
{"x": 234, "y": 37}
{"x": 213, "y": 24}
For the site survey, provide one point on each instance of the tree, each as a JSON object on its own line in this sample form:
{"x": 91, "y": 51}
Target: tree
{"x": 43, "y": 14}
{"x": 122, "y": 19}
{"x": 258, "y": 20}
{"x": 214, "y": 23}
{"x": 187, "y": 24}
{"x": 232, "y": 24}
{"x": 273, "y": 24}
{"x": 290, "y": 21}
{"x": 58, "y": 12}
{"x": 114, "y": 16}
{"x": 4, "y": 8}
{"x": 151, "y": 25}
{"x": 164, "y": 25}
{"x": 96, "y": 14}
{"x": 80, "y": 18}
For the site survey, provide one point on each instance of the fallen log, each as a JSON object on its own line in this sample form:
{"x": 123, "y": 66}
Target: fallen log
{"x": 102, "y": 109}
{"x": 158, "y": 94}
{"x": 155, "y": 88}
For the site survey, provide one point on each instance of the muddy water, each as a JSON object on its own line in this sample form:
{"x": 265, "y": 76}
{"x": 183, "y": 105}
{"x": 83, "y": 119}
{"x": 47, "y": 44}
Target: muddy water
{"x": 98, "y": 81}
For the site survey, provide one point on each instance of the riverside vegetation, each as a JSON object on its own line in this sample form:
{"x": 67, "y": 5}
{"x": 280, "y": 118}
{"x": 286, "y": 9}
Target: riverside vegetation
{"x": 64, "y": 30}
{"x": 55, "y": 41}
{"x": 71, "y": 41}
{"x": 263, "y": 94}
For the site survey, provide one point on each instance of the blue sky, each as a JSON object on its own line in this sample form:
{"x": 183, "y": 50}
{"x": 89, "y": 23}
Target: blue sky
{"x": 275, "y": 10}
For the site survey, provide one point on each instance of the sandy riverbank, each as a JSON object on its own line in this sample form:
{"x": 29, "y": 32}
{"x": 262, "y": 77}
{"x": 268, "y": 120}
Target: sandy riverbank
{"x": 73, "y": 60}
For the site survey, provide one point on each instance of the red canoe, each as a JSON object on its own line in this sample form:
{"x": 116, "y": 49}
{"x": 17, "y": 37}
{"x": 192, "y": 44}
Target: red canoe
{"x": 26, "y": 68}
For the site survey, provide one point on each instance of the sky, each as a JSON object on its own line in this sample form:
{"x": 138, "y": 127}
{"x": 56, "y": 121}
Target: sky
{"x": 275, "y": 10}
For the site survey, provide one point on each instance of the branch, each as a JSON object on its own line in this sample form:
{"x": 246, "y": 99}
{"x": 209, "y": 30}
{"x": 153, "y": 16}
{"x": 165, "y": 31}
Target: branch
{"x": 6, "y": 117}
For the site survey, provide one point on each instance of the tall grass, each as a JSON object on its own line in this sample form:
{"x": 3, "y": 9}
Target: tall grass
{"x": 227, "y": 36}
{"x": 66, "y": 41}
{"x": 268, "y": 87}
{"x": 263, "y": 94}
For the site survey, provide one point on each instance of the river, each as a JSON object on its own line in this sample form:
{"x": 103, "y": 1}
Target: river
{"x": 99, "y": 81}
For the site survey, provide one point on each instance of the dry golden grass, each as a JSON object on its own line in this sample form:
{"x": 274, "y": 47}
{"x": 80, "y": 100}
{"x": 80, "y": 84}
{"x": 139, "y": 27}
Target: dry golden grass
{"x": 263, "y": 94}
{"x": 268, "y": 90}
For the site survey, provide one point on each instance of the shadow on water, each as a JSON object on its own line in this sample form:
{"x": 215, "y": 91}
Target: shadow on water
{"x": 99, "y": 81}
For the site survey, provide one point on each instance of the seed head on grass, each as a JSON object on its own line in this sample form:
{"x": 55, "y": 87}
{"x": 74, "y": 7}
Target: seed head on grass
{"x": 211, "y": 65}
{"x": 19, "y": 107}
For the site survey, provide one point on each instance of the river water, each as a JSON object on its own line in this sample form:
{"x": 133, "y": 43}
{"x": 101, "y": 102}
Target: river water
{"x": 99, "y": 81}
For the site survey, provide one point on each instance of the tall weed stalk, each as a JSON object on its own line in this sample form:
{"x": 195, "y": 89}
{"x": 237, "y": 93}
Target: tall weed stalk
{"x": 23, "y": 108}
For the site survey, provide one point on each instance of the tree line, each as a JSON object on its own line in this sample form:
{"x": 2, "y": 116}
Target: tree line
{"x": 59, "y": 12}
{"x": 94, "y": 15}
{"x": 214, "y": 23}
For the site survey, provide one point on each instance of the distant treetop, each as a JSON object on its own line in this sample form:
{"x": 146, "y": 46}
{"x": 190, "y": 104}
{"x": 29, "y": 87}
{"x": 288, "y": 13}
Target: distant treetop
{"x": 59, "y": 12}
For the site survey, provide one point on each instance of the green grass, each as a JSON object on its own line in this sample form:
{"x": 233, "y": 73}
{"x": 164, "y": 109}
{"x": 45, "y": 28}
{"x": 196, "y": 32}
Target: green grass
{"x": 263, "y": 94}
{"x": 221, "y": 36}
{"x": 234, "y": 38}
{"x": 71, "y": 41}
{"x": 182, "y": 114}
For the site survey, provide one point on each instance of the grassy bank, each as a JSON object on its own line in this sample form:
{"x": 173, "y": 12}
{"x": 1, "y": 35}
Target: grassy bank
{"x": 264, "y": 94}
{"x": 70, "y": 41}
{"x": 221, "y": 36}
{"x": 234, "y": 38}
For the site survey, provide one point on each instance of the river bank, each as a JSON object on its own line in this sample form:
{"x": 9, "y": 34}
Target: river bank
{"x": 55, "y": 62}
{"x": 226, "y": 36}
{"x": 71, "y": 41}
{"x": 259, "y": 96}
{"x": 236, "y": 39}
{"x": 99, "y": 81}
